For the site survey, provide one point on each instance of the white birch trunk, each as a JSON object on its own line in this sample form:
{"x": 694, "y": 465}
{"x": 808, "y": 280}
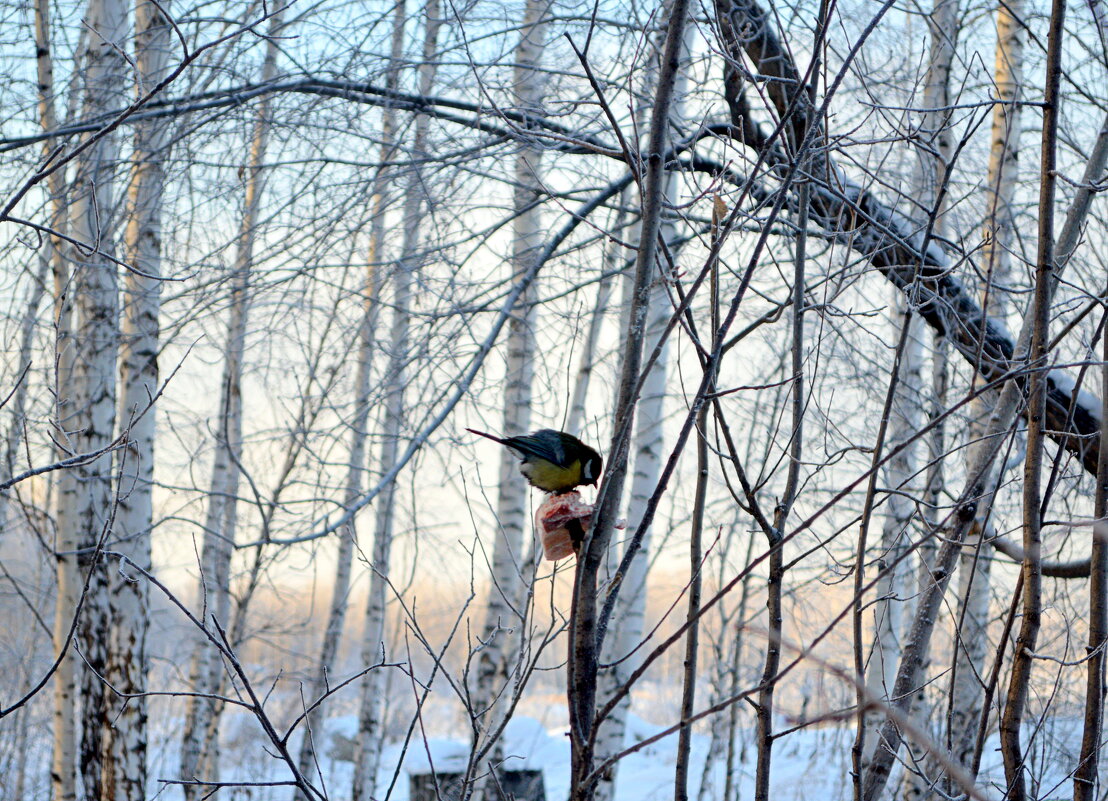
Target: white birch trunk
{"x": 219, "y": 525}
{"x": 626, "y": 628}
{"x": 88, "y": 502}
{"x": 370, "y": 718}
{"x": 929, "y": 179}
{"x": 371, "y": 733}
{"x": 63, "y": 769}
{"x": 999, "y": 234}
{"x": 63, "y": 764}
{"x": 896, "y": 535}
{"x": 125, "y": 765}
{"x": 512, "y": 571}
{"x": 336, "y": 614}
{"x": 613, "y": 256}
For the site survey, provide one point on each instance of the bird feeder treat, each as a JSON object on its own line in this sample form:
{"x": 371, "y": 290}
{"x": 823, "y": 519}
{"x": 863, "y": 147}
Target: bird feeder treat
{"x": 562, "y": 521}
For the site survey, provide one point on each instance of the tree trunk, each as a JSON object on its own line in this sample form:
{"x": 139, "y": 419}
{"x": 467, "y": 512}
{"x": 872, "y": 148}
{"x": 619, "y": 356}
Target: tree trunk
{"x": 999, "y": 236}
{"x": 371, "y": 732}
{"x": 582, "y": 667}
{"x": 896, "y": 532}
{"x": 1022, "y": 660}
{"x": 629, "y": 615}
{"x": 219, "y": 524}
{"x": 628, "y": 619}
{"x": 64, "y": 761}
{"x": 930, "y": 190}
{"x": 505, "y": 617}
{"x": 89, "y": 503}
{"x": 336, "y": 614}
{"x": 125, "y": 771}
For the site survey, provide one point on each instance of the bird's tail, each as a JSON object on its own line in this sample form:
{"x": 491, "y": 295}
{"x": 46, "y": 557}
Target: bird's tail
{"x": 487, "y": 436}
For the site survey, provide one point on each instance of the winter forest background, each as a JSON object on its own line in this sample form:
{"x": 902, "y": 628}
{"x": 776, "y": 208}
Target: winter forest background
{"x": 824, "y": 280}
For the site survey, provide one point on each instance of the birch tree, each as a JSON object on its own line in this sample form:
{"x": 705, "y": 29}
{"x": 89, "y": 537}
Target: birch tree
{"x": 999, "y": 236}
{"x": 138, "y": 381}
{"x": 88, "y": 502}
{"x": 221, "y": 518}
{"x": 371, "y": 732}
{"x": 63, "y": 768}
{"x": 629, "y": 614}
{"x": 930, "y": 193}
{"x": 505, "y": 614}
{"x": 367, "y": 340}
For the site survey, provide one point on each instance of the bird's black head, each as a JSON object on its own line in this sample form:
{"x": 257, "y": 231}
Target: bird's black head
{"x": 590, "y": 467}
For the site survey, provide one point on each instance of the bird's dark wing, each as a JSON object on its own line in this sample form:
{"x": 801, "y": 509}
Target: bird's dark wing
{"x": 545, "y": 444}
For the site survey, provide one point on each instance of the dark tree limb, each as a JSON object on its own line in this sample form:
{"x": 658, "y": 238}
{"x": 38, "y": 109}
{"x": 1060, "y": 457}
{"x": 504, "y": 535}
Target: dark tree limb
{"x": 1019, "y": 682}
{"x": 583, "y": 664}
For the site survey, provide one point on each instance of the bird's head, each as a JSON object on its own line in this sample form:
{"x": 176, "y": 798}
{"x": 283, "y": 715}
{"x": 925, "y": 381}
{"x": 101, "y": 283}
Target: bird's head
{"x": 590, "y": 468}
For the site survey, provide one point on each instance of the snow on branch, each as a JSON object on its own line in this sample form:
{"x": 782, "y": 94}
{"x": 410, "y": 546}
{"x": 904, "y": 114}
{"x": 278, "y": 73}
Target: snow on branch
{"x": 900, "y": 249}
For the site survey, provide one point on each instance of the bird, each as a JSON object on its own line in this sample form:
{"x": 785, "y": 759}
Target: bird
{"x": 553, "y": 461}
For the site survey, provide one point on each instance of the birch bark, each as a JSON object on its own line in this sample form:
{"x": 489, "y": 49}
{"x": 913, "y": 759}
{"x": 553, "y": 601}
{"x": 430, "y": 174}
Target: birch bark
{"x": 896, "y": 532}
{"x": 125, "y": 769}
{"x": 374, "y": 648}
{"x": 999, "y": 237}
{"x": 629, "y": 615}
{"x": 512, "y": 558}
{"x": 367, "y": 334}
{"x": 63, "y": 763}
{"x": 88, "y": 502}
{"x": 197, "y": 759}
{"x": 929, "y": 189}
{"x": 628, "y": 618}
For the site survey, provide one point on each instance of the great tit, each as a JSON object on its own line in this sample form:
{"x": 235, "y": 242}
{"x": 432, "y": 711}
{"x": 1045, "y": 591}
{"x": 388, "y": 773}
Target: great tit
{"x": 553, "y": 461}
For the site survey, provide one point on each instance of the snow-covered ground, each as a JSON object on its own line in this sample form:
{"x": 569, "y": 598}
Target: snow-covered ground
{"x": 812, "y": 763}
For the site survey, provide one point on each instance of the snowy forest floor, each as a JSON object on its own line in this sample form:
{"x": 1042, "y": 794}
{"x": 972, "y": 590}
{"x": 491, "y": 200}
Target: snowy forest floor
{"x": 812, "y": 763}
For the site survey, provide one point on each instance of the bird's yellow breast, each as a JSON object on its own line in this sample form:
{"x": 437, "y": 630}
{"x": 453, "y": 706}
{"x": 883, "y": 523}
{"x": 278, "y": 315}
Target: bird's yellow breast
{"x": 550, "y": 477}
